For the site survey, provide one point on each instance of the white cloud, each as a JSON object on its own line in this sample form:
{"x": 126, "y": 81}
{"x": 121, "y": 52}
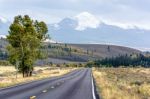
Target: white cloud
{"x": 86, "y": 20}
{"x": 126, "y": 24}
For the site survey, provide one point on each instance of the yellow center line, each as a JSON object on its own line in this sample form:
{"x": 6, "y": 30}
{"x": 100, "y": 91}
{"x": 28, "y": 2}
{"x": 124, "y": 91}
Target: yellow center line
{"x": 33, "y": 97}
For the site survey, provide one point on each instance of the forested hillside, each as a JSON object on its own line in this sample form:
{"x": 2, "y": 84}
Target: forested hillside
{"x": 134, "y": 60}
{"x": 74, "y": 52}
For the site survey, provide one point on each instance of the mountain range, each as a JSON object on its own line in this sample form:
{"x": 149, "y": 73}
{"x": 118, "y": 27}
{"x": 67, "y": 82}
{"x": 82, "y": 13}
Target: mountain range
{"x": 68, "y": 31}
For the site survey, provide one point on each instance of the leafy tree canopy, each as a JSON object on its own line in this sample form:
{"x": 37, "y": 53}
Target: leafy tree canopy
{"x": 25, "y": 37}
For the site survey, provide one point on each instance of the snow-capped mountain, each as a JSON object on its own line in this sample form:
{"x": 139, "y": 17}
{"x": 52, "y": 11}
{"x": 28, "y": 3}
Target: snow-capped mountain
{"x": 87, "y": 28}
{"x": 86, "y": 20}
{"x": 74, "y": 30}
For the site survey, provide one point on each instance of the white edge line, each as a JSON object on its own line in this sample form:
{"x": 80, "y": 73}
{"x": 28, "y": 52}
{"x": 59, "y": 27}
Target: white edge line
{"x": 93, "y": 92}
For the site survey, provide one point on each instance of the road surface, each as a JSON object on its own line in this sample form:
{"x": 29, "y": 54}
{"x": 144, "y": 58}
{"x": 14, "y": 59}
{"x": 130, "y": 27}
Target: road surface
{"x": 75, "y": 85}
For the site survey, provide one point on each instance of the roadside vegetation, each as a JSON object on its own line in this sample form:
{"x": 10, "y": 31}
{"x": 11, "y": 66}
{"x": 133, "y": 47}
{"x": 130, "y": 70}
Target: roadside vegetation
{"x": 123, "y": 83}
{"x": 8, "y": 76}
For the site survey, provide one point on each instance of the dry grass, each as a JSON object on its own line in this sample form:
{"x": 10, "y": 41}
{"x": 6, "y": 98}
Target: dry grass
{"x": 123, "y": 83}
{"x": 8, "y": 74}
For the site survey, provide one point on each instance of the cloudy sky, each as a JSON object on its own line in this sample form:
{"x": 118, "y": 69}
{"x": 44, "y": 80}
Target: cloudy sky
{"x": 124, "y": 13}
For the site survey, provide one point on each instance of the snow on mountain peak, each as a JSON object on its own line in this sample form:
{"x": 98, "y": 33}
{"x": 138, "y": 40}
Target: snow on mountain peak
{"x": 86, "y": 20}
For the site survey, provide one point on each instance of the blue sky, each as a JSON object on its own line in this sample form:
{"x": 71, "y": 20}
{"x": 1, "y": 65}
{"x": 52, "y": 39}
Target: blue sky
{"x": 117, "y": 12}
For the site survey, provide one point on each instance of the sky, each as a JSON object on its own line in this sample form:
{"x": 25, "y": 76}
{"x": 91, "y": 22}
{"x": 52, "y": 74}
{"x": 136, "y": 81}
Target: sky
{"x": 124, "y": 13}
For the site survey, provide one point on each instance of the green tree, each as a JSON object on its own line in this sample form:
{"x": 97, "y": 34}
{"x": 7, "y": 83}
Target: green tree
{"x": 25, "y": 37}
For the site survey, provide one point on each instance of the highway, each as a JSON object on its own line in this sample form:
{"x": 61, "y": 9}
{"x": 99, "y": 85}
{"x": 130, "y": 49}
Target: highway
{"x": 77, "y": 84}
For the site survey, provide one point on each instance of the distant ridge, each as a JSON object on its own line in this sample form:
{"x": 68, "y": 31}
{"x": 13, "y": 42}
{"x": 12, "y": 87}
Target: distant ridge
{"x": 60, "y": 52}
{"x": 104, "y": 50}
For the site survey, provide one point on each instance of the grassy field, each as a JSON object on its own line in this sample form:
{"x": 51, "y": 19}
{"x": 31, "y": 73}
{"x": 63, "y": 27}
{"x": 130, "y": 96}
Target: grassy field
{"x": 123, "y": 83}
{"x": 8, "y": 74}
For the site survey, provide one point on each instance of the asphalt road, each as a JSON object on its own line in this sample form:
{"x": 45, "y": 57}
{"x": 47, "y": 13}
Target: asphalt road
{"x": 75, "y": 85}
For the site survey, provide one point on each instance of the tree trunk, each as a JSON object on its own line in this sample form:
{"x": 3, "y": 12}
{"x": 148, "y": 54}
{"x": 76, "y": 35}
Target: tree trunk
{"x": 30, "y": 73}
{"x": 23, "y": 74}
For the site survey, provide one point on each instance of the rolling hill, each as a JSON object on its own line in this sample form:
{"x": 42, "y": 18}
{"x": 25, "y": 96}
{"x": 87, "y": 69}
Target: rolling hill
{"x": 103, "y": 51}
{"x": 64, "y": 53}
